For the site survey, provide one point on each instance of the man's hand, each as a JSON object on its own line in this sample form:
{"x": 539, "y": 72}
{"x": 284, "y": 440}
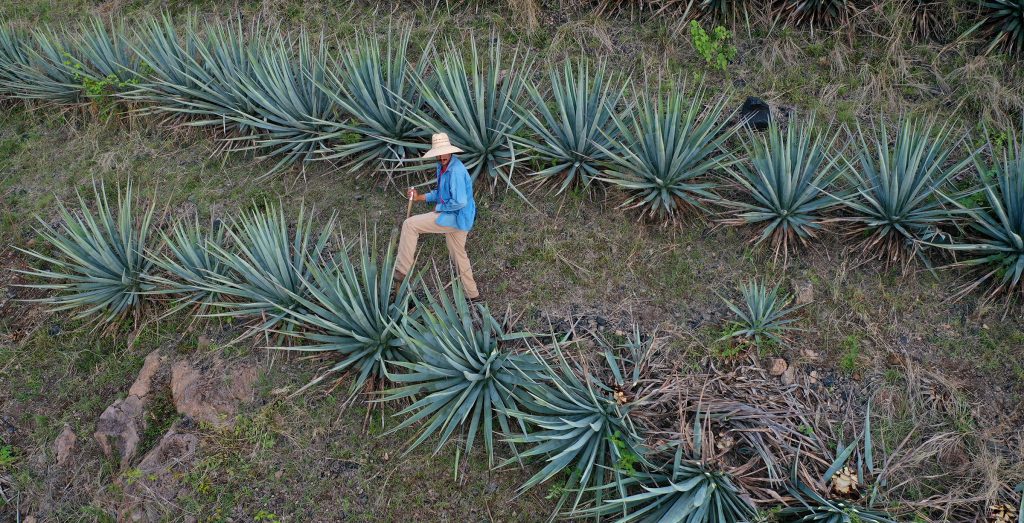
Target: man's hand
{"x": 415, "y": 196}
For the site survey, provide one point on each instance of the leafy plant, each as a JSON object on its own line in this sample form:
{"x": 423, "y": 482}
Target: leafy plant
{"x": 821, "y": 13}
{"x": 579, "y": 428}
{"x": 377, "y": 91}
{"x": 1003, "y": 22}
{"x": 763, "y": 315}
{"x": 476, "y": 107}
{"x": 789, "y": 177}
{"x": 106, "y": 60}
{"x": 897, "y": 197}
{"x": 464, "y": 373}
{"x": 36, "y": 67}
{"x": 682, "y": 491}
{"x": 101, "y": 266}
{"x": 665, "y": 148}
{"x": 714, "y": 48}
{"x": 572, "y": 135}
{"x": 288, "y": 115}
{"x": 348, "y": 307}
{"x": 190, "y": 265}
{"x": 268, "y": 266}
{"x": 197, "y": 76}
{"x": 13, "y": 56}
{"x": 998, "y": 224}
{"x": 845, "y": 481}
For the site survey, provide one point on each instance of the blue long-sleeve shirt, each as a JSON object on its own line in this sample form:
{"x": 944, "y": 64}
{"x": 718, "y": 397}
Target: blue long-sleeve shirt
{"x": 454, "y": 196}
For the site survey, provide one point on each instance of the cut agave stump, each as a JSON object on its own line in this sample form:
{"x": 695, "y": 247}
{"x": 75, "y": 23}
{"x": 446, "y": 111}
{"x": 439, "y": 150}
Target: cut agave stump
{"x": 756, "y": 113}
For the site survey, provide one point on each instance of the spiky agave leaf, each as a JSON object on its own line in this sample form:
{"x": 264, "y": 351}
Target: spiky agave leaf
{"x": 1003, "y": 22}
{"x": 267, "y": 266}
{"x": 812, "y": 506}
{"x": 197, "y": 76}
{"x": 764, "y": 314}
{"x": 682, "y": 491}
{"x": 566, "y": 135}
{"x": 464, "y": 375}
{"x": 475, "y": 106}
{"x": 376, "y": 90}
{"x": 171, "y": 57}
{"x": 578, "y": 428}
{"x": 190, "y": 265}
{"x": 106, "y": 54}
{"x": 664, "y": 150}
{"x": 723, "y": 9}
{"x": 998, "y": 227}
{"x": 42, "y": 68}
{"x": 290, "y": 114}
{"x": 13, "y": 56}
{"x": 789, "y": 177}
{"x": 897, "y": 199}
{"x": 817, "y": 13}
{"x": 101, "y": 263}
{"x": 347, "y": 307}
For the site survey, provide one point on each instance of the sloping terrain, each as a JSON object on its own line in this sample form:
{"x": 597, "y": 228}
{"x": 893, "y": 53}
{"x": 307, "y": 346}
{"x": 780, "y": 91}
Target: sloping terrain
{"x": 946, "y": 376}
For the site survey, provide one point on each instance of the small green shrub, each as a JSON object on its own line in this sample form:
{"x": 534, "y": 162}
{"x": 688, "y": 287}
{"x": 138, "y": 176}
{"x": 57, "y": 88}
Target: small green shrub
{"x": 714, "y": 48}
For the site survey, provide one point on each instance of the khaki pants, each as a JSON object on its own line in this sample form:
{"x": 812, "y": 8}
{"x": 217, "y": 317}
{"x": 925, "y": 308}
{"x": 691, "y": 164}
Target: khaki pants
{"x": 414, "y": 226}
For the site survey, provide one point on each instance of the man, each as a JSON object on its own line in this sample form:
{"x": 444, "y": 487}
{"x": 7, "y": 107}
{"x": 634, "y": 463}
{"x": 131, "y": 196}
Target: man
{"x": 453, "y": 216}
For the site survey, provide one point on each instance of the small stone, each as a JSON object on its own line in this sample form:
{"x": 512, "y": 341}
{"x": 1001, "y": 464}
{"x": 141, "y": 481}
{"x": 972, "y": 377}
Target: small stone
{"x": 29, "y": 519}
{"x": 54, "y": 330}
{"x": 779, "y": 367}
{"x": 810, "y": 354}
{"x": 804, "y": 291}
{"x": 789, "y": 377}
{"x": 204, "y": 343}
{"x": 64, "y": 446}
{"x": 144, "y": 383}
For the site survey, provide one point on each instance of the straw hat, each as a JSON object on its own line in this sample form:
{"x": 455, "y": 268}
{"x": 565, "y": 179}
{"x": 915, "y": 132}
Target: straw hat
{"x": 439, "y": 144}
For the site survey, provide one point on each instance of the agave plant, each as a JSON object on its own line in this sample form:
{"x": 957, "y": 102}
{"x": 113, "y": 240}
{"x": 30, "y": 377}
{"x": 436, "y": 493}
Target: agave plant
{"x": 764, "y": 315}
{"x": 171, "y": 58}
{"x": 789, "y": 179}
{"x": 347, "y": 307}
{"x": 197, "y": 77}
{"x": 289, "y": 114}
{"x": 998, "y": 240}
{"x": 898, "y": 188}
{"x": 377, "y": 91}
{"x": 580, "y": 427}
{"x": 820, "y": 13}
{"x": 463, "y": 376}
{"x": 190, "y": 265}
{"x": 723, "y": 9}
{"x": 845, "y": 483}
{"x": 682, "y": 491}
{"x": 13, "y": 56}
{"x": 566, "y": 137}
{"x": 476, "y": 107}
{"x": 1003, "y": 22}
{"x": 101, "y": 265}
{"x": 664, "y": 149}
{"x": 105, "y": 55}
{"x": 40, "y": 67}
{"x": 267, "y": 267}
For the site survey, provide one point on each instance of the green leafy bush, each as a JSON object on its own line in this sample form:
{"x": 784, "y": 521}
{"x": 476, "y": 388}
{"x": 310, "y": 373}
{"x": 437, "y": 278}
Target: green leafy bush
{"x": 714, "y": 48}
